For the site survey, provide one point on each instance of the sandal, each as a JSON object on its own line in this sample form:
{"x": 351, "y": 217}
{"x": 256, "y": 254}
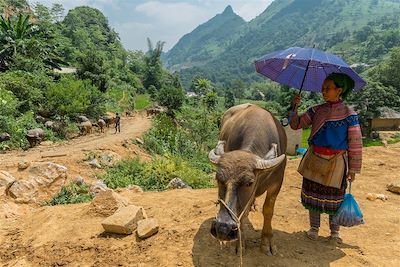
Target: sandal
{"x": 312, "y": 233}
{"x": 336, "y": 237}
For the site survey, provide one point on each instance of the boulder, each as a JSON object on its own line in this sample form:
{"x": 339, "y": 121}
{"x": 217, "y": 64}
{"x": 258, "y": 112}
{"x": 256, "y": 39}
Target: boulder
{"x": 109, "y": 158}
{"x": 177, "y": 183}
{"x": 107, "y": 202}
{"x": 124, "y": 220}
{"x": 97, "y": 187}
{"x": 44, "y": 179}
{"x": 23, "y": 164}
{"x": 394, "y": 187}
{"x": 6, "y": 179}
{"x": 147, "y": 228}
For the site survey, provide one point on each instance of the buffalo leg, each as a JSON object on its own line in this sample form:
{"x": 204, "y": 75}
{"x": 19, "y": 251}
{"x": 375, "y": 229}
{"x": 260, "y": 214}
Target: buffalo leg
{"x": 267, "y": 242}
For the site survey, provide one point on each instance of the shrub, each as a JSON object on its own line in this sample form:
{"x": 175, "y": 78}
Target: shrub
{"x": 154, "y": 175}
{"x": 71, "y": 97}
{"x": 27, "y": 87}
{"x": 71, "y": 194}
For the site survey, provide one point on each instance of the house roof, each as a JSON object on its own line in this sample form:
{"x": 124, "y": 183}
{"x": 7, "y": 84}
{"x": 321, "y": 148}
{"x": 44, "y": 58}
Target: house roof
{"x": 388, "y": 113}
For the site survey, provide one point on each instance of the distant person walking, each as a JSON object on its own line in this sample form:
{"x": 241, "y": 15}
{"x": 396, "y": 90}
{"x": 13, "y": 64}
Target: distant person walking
{"x": 117, "y": 123}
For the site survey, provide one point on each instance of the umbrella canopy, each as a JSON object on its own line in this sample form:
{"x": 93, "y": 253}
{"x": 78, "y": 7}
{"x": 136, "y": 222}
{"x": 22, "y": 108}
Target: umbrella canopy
{"x": 304, "y": 68}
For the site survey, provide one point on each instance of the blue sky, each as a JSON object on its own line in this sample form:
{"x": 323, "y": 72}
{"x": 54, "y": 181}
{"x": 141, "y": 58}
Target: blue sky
{"x": 164, "y": 20}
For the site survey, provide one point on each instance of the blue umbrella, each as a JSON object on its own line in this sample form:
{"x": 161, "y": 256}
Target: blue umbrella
{"x": 304, "y": 68}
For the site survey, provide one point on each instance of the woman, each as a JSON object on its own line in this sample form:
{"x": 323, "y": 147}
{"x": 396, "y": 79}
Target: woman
{"x": 334, "y": 130}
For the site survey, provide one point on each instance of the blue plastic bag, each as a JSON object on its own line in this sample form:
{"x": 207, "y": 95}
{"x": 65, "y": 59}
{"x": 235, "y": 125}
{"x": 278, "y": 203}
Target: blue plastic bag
{"x": 349, "y": 213}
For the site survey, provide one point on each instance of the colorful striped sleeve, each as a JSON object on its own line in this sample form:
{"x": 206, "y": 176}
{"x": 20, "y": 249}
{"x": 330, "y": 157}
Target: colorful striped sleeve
{"x": 302, "y": 121}
{"x": 354, "y": 139}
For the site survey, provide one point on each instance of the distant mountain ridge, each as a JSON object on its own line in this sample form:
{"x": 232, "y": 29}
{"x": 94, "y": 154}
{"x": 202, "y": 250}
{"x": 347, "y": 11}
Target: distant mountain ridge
{"x": 285, "y": 23}
{"x": 206, "y": 41}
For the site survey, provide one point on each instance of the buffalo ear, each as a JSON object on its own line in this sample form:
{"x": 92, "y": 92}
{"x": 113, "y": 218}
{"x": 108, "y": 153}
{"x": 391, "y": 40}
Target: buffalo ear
{"x": 272, "y": 153}
{"x": 215, "y": 154}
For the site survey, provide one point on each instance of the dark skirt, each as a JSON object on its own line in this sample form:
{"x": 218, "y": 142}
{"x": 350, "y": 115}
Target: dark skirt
{"x": 321, "y": 198}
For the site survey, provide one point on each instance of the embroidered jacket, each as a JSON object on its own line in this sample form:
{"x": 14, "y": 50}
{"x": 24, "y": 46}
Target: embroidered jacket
{"x": 335, "y": 126}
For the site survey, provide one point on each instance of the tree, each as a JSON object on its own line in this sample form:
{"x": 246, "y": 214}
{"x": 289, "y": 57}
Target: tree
{"x": 211, "y": 100}
{"x": 92, "y": 66}
{"x": 238, "y": 88}
{"x": 229, "y": 99}
{"x": 153, "y": 73}
{"x": 21, "y": 39}
{"x": 171, "y": 98}
{"x": 388, "y": 69}
{"x": 201, "y": 86}
{"x": 372, "y": 97}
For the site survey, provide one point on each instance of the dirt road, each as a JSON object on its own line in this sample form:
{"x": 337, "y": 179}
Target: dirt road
{"x": 72, "y": 153}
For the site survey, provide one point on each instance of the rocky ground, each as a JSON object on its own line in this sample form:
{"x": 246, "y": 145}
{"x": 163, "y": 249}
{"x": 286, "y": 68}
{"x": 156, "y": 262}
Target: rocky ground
{"x": 72, "y": 235}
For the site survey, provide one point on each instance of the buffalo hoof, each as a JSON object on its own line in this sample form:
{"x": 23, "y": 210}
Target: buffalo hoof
{"x": 268, "y": 247}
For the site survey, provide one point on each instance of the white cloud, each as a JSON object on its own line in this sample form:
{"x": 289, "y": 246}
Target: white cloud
{"x": 173, "y": 13}
{"x": 166, "y": 20}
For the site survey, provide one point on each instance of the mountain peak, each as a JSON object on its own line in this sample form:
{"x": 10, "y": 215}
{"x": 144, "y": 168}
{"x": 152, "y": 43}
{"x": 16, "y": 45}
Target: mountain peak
{"x": 228, "y": 10}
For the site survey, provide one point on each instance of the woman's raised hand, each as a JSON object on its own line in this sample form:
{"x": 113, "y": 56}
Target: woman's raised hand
{"x": 296, "y": 100}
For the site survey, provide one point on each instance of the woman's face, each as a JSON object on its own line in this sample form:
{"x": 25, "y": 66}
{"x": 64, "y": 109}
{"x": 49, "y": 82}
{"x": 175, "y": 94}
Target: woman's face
{"x": 330, "y": 92}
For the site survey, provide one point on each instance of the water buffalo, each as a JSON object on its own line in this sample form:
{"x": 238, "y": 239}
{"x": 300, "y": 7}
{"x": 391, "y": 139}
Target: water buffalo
{"x": 82, "y": 118}
{"x": 56, "y": 126}
{"x": 250, "y": 159}
{"x": 153, "y": 111}
{"x": 85, "y": 127}
{"x": 101, "y": 123}
{"x": 109, "y": 120}
{"x": 34, "y": 136}
{"x": 4, "y": 137}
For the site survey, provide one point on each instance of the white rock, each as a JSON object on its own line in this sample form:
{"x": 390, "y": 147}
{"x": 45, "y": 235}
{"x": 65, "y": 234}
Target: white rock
{"x": 95, "y": 163}
{"x": 124, "y": 220}
{"x": 373, "y": 196}
{"x": 140, "y": 141}
{"x": 147, "y": 228}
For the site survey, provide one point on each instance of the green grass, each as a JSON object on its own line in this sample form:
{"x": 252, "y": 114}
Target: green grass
{"x": 367, "y": 142}
{"x": 395, "y": 139}
{"x": 142, "y": 101}
{"x": 71, "y": 194}
{"x": 304, "y": 137}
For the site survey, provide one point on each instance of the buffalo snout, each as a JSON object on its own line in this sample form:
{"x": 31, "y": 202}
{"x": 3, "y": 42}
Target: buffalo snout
{"x": 224, "y": 231}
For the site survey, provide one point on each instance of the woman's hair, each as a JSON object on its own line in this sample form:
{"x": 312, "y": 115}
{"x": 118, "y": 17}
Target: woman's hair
{"x": 342, "y": 81}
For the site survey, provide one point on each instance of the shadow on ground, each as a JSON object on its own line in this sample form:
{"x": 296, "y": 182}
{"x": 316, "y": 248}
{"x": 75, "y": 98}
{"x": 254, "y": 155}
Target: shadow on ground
{"x": 294, "y": 249}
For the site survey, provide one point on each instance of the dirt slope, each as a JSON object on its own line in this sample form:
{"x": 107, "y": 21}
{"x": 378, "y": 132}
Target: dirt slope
{"x": 72, "y": 153}
{"x": 71, "y": 236}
